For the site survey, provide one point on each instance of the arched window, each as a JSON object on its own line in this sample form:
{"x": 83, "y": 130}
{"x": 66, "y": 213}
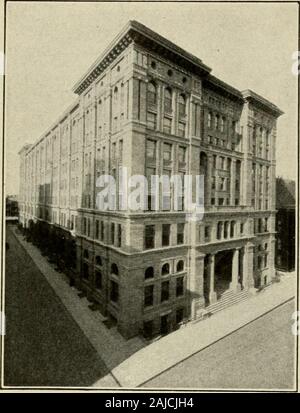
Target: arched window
{"x": 217, "y": 122}
{"x": 114, "y": 269}
{"x": 182, "y": 106}
{"x": 180, "y": 266}
{"x": 98, "y": 260}
{"x": 85, "y": 254}
{"x": 165, "y": 269}
{"x": 149, "y": 273}
{"x": 168, "y": 100}
{"x": 226, "y": 226}
{"x": 209, "y": 117}
{"x": 151, "y": 94}
{"x": 219, "y": 229}
{"x": 232, "y": 226}
{"x": 222, "y": 124}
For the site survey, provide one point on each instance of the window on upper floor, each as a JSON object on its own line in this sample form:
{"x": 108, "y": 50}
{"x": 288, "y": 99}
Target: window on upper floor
{"x": 232, "y": 229}
{"x": 114, "y": 291}
{"x": 151, "y": 120}
{"x": 181, "y": 106}
{"x": 180, "y": 233}
{"x": 165, "y": 291}
{"x": 114, "y": 269}
{"x": 209, "y": 119}
{"x": 166, "y": 235}
{"x": 119, "y": 235}
{"x": 150, "y": 149}
{"x": 148, "y": 295}
{"x": 149, "y": 273}
{"x": 151, "y": 95}
{"x": 168, "y": 101}
{"x": 222, "y": 124}
{"x": 180, "y": 266}
{"x": 167, "y": 152}
{"x": 149, "y": 236}
{"x": 179, "y": 286}
{"x": 182, "y": 154}
{"x": 165, "y": 270}
{"x": 167, "y": 125}
{"x": 181, "y": 129}
{"x": 207, "y": 232}
{"x": 112, "y": 233}
{"x": 217, "y": 122}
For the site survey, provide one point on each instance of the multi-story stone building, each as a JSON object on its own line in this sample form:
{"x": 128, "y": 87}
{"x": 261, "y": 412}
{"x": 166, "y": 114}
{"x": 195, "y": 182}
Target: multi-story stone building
{"x": 150, "y": 106}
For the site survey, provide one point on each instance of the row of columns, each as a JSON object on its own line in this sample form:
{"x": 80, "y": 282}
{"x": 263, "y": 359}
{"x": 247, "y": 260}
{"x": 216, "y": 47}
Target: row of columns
{"x": 245, "y": 254}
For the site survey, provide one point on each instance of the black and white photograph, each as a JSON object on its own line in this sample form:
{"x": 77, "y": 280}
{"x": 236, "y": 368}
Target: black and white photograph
{"x": 149, "y": 196}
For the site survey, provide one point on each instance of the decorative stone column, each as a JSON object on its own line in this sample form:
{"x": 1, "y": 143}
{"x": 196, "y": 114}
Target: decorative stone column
{"x": 207, "y": 190}
{"x": 196, "y": 283}
{"x": 232, "y": 182}
{"x": 212, "y": 293}
{"x": 234, "y": 285}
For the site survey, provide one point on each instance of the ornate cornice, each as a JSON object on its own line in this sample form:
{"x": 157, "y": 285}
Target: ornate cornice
{"x": 142, "y": 35}
{"x": 261, "y": 103}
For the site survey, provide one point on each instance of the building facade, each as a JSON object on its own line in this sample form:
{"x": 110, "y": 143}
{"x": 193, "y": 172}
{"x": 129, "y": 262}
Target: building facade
{"x": 153, "y": 108}
{"x": 285, "y": 225}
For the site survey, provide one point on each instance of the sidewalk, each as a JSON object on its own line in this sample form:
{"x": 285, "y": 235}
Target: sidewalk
{"x": 181, "y": 344}
{"x": 109, "y": 343}
{"x": 131, "y": 362}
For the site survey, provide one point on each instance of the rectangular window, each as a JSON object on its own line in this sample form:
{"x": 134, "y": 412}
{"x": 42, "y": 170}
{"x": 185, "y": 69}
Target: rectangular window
{"x": 165, "y": 291}
{"x": 102, "y": 230}
{"x": 151, "y": 120}
{"x": 180, "y": 233}
{"x": 119, "y": 235}
{"x": 167, "y": 125}
{"x": 179, "y": 287}
{"x": 181, "y": 154}
{"x": 112, "y": 233}
{"x": 114, "y": 291}
{"x": 97, "y": 230}
{"x": 242, "y": 228}
{"x": 148, "y": 295}
{"x": 167, "y": 152}
{"x": 181, "y": 129}
{"x": 149, "y": 236}
{"x": 207, "y": 232}
{"x": 150, "y": 149}
{"x": 166, "y": 235}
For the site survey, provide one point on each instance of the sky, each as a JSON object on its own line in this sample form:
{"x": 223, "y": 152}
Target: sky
{"x": 49, "y": 46}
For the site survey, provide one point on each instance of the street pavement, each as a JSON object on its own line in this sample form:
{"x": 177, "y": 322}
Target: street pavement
{"x": 258, "y": 356}
{"x": 43, "y": 344}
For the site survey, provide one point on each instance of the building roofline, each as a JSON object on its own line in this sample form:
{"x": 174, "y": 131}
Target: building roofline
{"x": 54, "y": 125}
{"x": 132, "y": 31}
{"x": 214, "y": 82}
{"x": 24, "y": 148}
{"x": 249, "y": 95}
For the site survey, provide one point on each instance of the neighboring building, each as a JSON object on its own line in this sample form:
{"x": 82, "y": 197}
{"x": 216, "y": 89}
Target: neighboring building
{"x": 150, "y": 106}
{"x": 285, "y": 224}
{"x": 11, "y": 206}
